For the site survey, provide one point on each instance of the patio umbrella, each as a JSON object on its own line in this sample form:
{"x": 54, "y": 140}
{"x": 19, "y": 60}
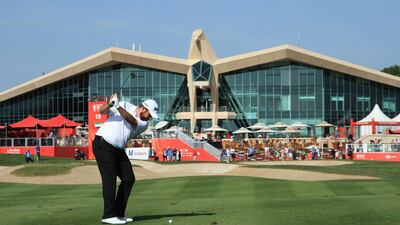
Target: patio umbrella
{"x": 174, "y": 128}
{"x": 216, "y": 129}
{"x": 149, "y": 131}
{"x": 257, "y": 126}
{"x": 299, "y": 125}
{"x": 160, "y": 125}
{"x": 324, "y": 124}
{"x": 266, "y": 131}
{"x": 289, "y": 131}
{"x": 279, "y": 125}
{"x": 242, "y": 130}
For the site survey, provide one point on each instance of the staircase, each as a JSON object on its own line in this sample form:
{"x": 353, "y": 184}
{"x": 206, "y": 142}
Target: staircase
{"x": 198, "y": 144}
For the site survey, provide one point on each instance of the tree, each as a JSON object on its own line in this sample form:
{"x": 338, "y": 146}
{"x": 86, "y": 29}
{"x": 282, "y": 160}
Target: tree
{"x": 394, "y": 70}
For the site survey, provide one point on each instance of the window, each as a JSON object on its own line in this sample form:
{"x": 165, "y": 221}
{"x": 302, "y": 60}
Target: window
{"x": 363, "y": 103}
{"x": 389, "y": 104}
{"x": 337, "y": 102}
{"x": 285, "y": 102}
{"x": 201, "y": 71}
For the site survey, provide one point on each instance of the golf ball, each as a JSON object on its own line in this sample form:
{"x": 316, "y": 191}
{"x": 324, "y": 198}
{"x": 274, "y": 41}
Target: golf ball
{"x": 169, "y": 221}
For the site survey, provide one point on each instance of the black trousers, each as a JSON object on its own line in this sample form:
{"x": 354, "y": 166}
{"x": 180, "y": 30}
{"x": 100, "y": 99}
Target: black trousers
{"x": 113, "y": 162}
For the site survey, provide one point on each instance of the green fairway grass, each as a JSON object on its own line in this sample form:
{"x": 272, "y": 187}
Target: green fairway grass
{"x": 385, "y": 170}
{"x": 216, "y": 200}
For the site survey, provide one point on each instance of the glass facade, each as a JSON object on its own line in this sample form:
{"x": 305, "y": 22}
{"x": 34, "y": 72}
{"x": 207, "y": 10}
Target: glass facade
{"x": 289, "y": 92}
{"x": 146, "y": 83}
{"x": 352, "y": 97}
{"x": 67, "y": 97}
{"x": 269, "y": 93}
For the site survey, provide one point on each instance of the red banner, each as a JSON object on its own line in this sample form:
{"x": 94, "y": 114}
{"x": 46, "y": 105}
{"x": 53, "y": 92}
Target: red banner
{"x": 96, "y": 119}
{"x": 379, "y": 156}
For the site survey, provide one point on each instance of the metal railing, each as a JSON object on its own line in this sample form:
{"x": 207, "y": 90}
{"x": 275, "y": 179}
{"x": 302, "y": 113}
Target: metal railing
{"x": 25, "y": 142}
{"x": 198, "y": 144}
{"x": 386, "y": 147}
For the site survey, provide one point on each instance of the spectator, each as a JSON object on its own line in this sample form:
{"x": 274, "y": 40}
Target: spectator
{"x": 266, "y": 152}
{"x": 194, "y": 155}
{"x": 233, "y": 155}
{"x": 169, "y": 155}
{"x": 221, "y": 156}
{"x": 37, "y": 152}
{"x": 28, "y": 156}
{"x": 179, "y": 153}
{"x": 165, "y": 154}
{"x": 251, "y": 152}
{"x": 174, "y": 158}
{"x": 79, "y": 155}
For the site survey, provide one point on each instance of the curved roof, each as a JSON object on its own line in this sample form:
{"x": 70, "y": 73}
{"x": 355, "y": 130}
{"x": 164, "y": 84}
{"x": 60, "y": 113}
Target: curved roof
{"x": 108, "y": 57}
{"x": 200, "y": 48}
{"x": 292, "y": 53}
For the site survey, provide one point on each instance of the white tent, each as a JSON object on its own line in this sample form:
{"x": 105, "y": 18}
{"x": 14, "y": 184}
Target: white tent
{"x": 377, "y": 115}
{"x": 396, "y": 119}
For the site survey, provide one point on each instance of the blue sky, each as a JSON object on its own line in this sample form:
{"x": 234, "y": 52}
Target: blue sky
{"x": 41, "y": 36}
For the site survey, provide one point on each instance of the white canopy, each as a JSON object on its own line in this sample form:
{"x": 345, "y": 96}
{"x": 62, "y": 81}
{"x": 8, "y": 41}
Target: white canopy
{"x": 299, "y": 125}
{"x": 160, "y": 125}
{"x": 257, "y": 126}
{"x": 289, "y": 131}
{"x": 397, "y": 118}
{"x": 242, "y": 130}
{"x": 279, "y": 125}
{"x": 377, "y": 115}
{"x": 324, "y": 124}
{"x": 267, "y": 130}
{"x": 215, "y": 128}
{"x": 175, "y": 128}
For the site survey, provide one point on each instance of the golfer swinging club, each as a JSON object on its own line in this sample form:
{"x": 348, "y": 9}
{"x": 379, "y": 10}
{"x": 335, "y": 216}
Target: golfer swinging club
{"x": 125, "y": 121}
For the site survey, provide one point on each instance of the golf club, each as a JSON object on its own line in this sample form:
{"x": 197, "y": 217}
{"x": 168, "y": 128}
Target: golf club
{"x": 131, "y": 75}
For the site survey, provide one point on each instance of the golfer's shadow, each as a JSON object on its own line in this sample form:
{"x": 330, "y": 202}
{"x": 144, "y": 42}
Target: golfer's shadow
{"x": 155, "y": 217}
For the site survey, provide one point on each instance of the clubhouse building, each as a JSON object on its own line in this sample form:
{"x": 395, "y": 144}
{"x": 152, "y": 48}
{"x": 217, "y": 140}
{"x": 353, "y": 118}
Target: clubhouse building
{"x": 281, "y": 84}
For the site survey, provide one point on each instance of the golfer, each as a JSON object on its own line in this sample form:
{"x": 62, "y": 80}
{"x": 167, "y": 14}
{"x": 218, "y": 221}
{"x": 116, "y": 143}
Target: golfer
{"x": 125, "y": 121}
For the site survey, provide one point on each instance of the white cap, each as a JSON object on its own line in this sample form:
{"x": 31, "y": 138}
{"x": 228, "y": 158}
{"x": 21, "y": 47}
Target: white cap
{"x": 152, "y": 106}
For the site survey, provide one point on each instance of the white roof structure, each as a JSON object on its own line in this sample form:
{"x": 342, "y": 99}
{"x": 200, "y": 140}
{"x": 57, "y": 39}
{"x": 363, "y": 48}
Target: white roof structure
{"x": 242, "y": 130}
{"x": 377, "y": 115}
{"x": 397, "y": 118}
{"x": 257, "y": 126}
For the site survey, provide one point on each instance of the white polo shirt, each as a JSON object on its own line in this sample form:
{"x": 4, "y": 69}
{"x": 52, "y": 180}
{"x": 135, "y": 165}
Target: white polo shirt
{"x": 116, "y": 130}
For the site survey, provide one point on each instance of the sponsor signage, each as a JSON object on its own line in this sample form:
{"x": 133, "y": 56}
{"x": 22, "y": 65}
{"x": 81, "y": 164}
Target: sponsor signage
{"x": 96, "y": 119}
{"x": 13, "y": 151}
{"x": 138, "y": 153}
